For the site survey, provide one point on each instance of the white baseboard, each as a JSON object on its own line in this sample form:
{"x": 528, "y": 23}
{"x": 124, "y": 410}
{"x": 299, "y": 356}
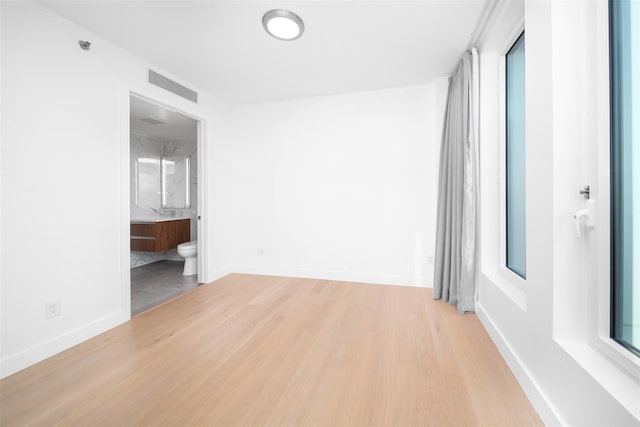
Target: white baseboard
{"x": 532, "y": 389}
{"x": 330, "y": 275}
{"x": 219, "y": 273}
{"x": 34, "y": 354}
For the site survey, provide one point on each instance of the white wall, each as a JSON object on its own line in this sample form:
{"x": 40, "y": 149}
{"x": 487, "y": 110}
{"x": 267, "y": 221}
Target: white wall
{"x": 64, "y": 171}
{"x": 340, "y": 187}
{"x": 541, "y": 328}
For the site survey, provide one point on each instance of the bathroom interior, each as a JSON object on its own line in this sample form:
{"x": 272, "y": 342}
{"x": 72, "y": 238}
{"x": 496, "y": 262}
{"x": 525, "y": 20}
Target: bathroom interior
{"x": 164, "y": 205}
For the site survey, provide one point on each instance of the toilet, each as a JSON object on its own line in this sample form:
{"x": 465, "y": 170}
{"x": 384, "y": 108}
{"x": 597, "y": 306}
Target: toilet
{"x": 189, "y": 251}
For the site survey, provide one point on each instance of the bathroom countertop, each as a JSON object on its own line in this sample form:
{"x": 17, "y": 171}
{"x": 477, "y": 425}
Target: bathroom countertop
{"x": 154, "y": 219}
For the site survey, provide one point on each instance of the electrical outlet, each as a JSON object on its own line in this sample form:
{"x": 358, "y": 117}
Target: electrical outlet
{"x": 260, "y": 251}
{"x": 430, "y": 259}
{"x": 52, "y": 309}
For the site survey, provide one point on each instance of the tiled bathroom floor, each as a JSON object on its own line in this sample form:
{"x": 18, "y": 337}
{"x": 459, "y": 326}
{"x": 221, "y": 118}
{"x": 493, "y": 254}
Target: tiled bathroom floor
{"x": 153, "y": 284}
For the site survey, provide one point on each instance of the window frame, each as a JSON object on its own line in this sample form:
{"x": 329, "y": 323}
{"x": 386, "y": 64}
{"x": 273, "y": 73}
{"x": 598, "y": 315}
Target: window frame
{"x": 615, "y": 146}
{"x": 505, "y": 83}
{"x": 509, "y": 276}
{"x": 600, "y": 339}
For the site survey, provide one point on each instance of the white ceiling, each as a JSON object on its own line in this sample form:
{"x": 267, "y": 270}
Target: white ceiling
{"x": 173, "y": 124}
{"x": 348, "y": 46}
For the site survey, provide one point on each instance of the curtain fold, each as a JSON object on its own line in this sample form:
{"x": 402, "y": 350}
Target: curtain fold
{"x": 456, "y": 226}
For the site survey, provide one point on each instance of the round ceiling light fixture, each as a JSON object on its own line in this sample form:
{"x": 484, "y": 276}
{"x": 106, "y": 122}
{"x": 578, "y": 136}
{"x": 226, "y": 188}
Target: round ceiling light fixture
{"x": 283, "y": 24}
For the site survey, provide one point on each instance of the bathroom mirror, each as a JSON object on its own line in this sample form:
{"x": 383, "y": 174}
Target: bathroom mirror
{"x": 175, "y": 181}
{"x": 146, "y": 187}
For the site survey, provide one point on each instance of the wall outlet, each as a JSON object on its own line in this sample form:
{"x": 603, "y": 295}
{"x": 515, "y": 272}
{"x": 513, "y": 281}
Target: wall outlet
{"x": 430, "y": 259}
{"x": 260, "y": 251}
{"x": 52, "y": 309}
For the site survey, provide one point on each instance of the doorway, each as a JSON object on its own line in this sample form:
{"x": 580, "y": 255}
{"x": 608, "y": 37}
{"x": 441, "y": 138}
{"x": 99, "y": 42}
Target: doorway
{"x": 163, "y": 208}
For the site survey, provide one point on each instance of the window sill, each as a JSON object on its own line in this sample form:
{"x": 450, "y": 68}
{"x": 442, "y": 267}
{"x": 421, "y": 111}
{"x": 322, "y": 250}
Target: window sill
{"x": 509, "y": 283}
{"x": 619, "y": 355}
{"x": 616, "y": 380}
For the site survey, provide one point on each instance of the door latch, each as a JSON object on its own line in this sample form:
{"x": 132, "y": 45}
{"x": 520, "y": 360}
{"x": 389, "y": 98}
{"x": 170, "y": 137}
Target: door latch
{"x": 586, "y": 215}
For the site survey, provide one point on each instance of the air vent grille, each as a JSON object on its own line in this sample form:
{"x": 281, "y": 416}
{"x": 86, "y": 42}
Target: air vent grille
{"x": 152, "y": 121}
{"x": 173, "y": 87}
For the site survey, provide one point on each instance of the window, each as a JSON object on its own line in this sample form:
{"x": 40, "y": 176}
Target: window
{"x": 515, "y": 159}
{"x": 624, "y": 39}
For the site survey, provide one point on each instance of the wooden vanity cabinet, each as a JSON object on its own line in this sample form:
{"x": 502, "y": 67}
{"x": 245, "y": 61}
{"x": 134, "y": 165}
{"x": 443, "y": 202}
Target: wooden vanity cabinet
{"x": 159, "y": 236}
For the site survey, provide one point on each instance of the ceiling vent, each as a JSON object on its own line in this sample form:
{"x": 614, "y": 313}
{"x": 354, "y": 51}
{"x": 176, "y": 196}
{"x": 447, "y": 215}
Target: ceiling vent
{"x": 173, "y": 87}
{"x": 151, "y": 120}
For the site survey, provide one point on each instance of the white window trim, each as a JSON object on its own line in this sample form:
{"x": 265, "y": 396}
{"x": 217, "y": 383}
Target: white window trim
{"x": 493, "y": 217}
{"x": 616, "y": 369}
{"x": 601, "y": 338}
{"x": 505, "y": 272}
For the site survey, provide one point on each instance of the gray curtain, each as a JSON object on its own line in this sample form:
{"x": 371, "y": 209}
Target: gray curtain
{"x": 455, "y": 255}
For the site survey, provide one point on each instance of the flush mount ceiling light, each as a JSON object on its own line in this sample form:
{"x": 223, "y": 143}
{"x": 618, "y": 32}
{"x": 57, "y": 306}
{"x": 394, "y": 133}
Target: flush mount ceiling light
{"x": 283, "y": 24}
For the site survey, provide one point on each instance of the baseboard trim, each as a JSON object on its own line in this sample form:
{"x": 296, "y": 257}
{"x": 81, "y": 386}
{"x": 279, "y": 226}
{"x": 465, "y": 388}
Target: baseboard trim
{"x": 39, "y": 352}
{"x": 532, "y": 389}
{"x": 329, "y": 275}
{"x": 219, "y": 273}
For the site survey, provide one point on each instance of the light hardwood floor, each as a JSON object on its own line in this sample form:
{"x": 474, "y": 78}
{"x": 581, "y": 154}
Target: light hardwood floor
{"x": 261, "y": 350}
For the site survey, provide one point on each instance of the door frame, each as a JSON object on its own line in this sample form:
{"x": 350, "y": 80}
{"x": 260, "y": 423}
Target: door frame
{"x": 175, "y": 103}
